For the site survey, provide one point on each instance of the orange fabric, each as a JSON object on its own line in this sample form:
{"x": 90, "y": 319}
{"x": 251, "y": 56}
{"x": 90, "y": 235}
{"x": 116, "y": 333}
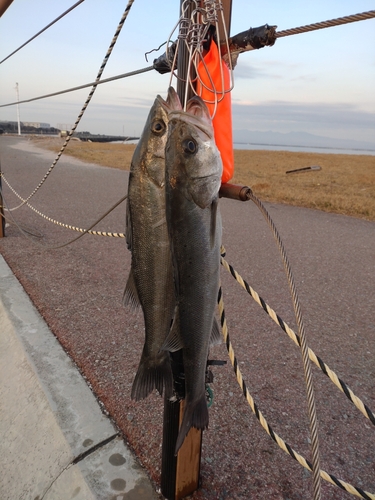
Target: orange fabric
{"x": 210, "y": 74}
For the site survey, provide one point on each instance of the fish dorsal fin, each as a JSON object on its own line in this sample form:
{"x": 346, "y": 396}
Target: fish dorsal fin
{"x": 172, "y": 103}
{"x": 214, "y": 205}
{"x": 131, "y": 294}
{"x": 215, "y": 338}
{"x": 173, "y": 342}
{"x": 197, "y": 107}
{"x": 173, "y": 100}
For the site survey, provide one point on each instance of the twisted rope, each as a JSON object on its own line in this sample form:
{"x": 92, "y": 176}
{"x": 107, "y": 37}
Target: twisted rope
{"x": 27, "y": 233}
{"x": 100, "y": 72}
{"x": 356, "y": 491}
{"x": 68, "y": 226}
{"x": 327, "y": 24}
{"x": 80, "y": 230}
{"x": 365, "y": 410}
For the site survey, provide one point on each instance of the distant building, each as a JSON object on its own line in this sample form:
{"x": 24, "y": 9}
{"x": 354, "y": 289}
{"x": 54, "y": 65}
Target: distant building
{"x": 36, "y": 124}
{"x": 9, "y": 127}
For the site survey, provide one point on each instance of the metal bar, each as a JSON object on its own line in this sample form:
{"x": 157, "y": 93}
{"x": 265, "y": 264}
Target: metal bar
{"x": 183, "y": 63}
{"x": 235, "y": 192}
{"x": 227, "y": 11}
{"x": 251, "y": 39}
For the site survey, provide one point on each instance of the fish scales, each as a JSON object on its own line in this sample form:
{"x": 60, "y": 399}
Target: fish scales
{"x": 150, "y": 281}
{"x": 193, "y": 178}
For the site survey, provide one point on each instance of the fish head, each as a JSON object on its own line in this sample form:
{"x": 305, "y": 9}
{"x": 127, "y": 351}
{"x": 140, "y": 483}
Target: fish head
{"x": 193, "y": 161}
{"x": 150, "y": 151}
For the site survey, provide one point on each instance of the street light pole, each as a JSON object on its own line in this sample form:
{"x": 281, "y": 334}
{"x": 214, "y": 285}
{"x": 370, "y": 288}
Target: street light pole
{"x": 18, "y": 110}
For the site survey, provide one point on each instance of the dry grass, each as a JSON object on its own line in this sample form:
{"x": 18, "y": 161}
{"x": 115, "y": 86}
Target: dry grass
{"x": 345, "y": 184}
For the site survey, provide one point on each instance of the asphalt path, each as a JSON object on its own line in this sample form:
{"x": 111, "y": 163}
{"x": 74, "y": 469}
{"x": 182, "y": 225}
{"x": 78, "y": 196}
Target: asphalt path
{"x": 78, "y": 290}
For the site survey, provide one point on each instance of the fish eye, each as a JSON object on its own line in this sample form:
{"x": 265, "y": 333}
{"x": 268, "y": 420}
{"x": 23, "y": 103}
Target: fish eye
{"x": 158, "y": 127}
{"x": 189, "y": 146}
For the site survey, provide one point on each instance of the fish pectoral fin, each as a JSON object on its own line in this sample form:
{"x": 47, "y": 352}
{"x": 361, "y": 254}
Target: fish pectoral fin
{"x": 214, "y": 205}
{"x": 131, "y": 294}
{"x": 215, "y": 338}
{"x": 173, "y": 342}
{"x": 128, "y": 231}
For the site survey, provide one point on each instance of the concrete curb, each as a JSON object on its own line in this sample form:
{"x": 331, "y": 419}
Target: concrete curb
{"x": 55, "y": 443}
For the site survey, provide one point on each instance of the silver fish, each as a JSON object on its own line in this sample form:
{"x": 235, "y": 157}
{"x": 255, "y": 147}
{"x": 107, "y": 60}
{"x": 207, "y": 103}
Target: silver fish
{"x": 150, "y": 281}
{"x": 193, "y": 179}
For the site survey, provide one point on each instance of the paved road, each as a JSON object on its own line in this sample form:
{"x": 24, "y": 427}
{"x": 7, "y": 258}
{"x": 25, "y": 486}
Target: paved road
{"x": 78, "y": 290}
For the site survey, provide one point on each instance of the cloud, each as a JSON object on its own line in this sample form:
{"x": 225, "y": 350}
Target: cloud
{"x": 272, "y": 69}
{"x": 339, "y": 120}
{"x": 252, "y": 72}
{"x": 248, "y": 72}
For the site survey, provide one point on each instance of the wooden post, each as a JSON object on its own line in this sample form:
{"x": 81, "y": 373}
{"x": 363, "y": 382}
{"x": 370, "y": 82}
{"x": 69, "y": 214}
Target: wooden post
{"x": 179, "y": 474}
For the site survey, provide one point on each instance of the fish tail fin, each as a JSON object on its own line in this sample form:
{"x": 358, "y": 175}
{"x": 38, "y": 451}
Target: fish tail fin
{"x": 195, "y": 415}
{"x": 153, "y": 374}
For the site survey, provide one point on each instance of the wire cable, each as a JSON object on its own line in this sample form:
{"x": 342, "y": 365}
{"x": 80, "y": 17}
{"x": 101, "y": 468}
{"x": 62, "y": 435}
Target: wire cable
{"x": 293, "y": 31}
{"x": 87, "y": 102}
{"x": 105, "y": 80}
{"x": 327, "y": 24}
{"x": 44, "y": 29}
{"x": 304, "y": 349}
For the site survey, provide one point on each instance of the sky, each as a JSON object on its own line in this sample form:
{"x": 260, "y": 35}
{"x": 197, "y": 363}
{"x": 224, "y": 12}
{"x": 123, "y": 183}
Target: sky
{"x": 320, "y": 82}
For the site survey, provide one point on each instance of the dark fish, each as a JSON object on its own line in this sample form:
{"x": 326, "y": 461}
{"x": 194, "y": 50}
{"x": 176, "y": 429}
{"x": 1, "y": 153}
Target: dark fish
{"x": 150, "y": 281}
{"x": 193, "y": 179}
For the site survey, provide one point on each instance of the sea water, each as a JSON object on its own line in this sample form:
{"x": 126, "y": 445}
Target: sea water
{"x": 304, "y": 149}
{"x": 276, "y": 147}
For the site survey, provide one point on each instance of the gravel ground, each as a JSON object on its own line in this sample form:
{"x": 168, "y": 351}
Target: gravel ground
{"x": 78, "y": 290}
